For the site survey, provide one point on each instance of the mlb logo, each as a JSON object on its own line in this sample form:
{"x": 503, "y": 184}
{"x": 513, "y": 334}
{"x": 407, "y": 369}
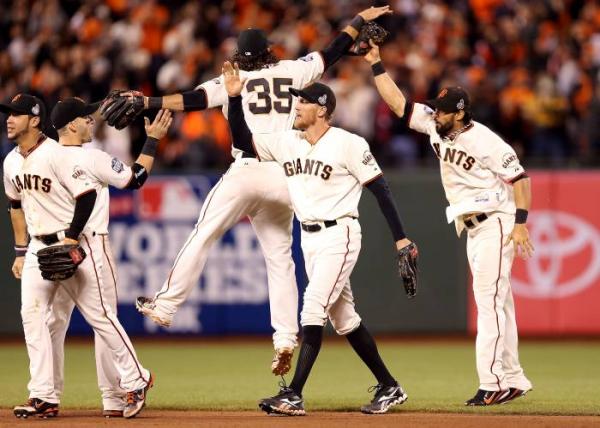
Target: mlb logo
{"x": 168, "y": 199}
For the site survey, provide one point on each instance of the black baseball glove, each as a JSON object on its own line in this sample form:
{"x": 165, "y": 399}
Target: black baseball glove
{"x": 120, "y": 107}
{"x": 369, "y": 31}
{"x": 59, "y": 262}
{"x": 407, "y": 268}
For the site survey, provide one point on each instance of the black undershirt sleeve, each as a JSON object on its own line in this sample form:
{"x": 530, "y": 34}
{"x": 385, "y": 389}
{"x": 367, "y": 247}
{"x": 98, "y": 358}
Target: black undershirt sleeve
{"x": 336, "y": 49}
{"x": 194, "y": 100}
{"x": 382, "y": 193}
{"x": 241, "y": 135}
{"x": 84, "y": 206}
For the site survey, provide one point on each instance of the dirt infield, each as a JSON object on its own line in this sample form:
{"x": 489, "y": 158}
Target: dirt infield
{"x": 171, "y": 418}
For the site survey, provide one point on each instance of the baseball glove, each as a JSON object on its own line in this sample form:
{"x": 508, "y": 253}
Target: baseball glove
{"x": 59, "y": 262}
{"x": 407, "y": 268}
{"x": 369, "y": 31}
{"x": 120, "y": 108}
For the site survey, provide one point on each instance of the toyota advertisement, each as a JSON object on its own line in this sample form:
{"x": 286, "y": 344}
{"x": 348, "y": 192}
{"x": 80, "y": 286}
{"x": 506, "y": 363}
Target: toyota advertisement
{"x": 557, "y": 291}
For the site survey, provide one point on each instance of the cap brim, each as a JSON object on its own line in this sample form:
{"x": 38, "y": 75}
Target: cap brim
{"x": 432, "y": 103}
{"x": 8, "y": 108}
{"x": 92, "y": 108}
{"x": 301, "y": 94}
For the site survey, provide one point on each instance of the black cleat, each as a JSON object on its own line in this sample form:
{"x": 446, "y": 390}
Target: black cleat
{"x": 487, "y": 398}
{"x": 512, "y": 394}
{"x": 385, "y": 397}
{"x": 287, "y": 402}
{"x": 36, "y": 407}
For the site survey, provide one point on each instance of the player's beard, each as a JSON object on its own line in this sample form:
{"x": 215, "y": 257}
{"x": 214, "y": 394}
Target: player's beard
{"x": 18, "y": 135}
{"x": 443, "y": 129}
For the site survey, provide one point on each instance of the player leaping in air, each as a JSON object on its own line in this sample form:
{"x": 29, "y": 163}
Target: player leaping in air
{"x": 249, "y": 188}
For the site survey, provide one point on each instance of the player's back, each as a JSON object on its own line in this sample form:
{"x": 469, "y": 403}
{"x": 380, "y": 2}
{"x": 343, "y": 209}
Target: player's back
{"x": 266, "y": 98}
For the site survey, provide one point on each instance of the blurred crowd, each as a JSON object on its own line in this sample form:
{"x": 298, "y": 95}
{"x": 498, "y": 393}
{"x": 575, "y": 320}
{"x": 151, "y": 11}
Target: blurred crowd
{"x": 531, "y": 66}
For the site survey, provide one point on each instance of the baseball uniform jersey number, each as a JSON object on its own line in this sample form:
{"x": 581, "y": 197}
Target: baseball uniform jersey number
{"x": 263, "y": 91}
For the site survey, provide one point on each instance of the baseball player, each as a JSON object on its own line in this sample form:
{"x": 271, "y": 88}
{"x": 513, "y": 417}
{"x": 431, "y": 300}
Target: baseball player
{"x": 58, "y": 197}
{"x": 113, "y": 396}
{"x": 249, "y": 188}
{"x": 326, "y": 168}
{"x": 489, "y": 195}
{"x": 104, "y": 170}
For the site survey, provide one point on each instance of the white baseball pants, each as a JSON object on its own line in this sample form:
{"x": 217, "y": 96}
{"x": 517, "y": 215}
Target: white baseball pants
{"x": 113, "y": 396}
{"x": 330, "y": 255}
{"x": 86, "y": 289}
{"x": 257, "y": 190}
{"x": 497, "y": 339}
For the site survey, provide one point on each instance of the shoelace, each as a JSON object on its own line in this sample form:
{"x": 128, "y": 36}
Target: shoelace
{"x": 131, "y": 397}
{"x": 282, "y": 383}
{"x": 375, "y": 388}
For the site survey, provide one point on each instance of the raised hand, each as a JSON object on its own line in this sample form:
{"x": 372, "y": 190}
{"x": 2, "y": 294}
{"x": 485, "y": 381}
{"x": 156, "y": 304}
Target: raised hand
{"x": 372, "y": 56}
{"x": 231, "y": 76}
{"x": 159, "y": 127}
{"x": 375, "y": 12}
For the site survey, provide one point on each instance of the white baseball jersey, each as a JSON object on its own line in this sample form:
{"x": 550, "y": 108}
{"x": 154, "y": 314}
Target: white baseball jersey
{"x": 49, "y": 181}
{"x": 477, "y": 167}
{"x": 266, "y": 98}
{"x": 324, "y": 180}
{"x": 102, "y": 170}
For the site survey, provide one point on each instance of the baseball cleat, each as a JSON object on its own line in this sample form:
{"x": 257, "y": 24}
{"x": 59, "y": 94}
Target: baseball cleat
{"x": 385, "y": 397}
{"x": 148, "y": 307}
{"x": 287, "y": 402}
{"x": 487, "y": 398}
{"x": 512, "y": 394}
{"x": 112, "y": 413}
{"x": 282, "y": 361}
{"x": 36, "y": 407}
{"x": 136, "y": 400}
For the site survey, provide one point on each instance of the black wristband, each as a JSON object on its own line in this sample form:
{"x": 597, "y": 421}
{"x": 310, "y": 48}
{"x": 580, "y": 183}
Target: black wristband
{"x": 521, "y": 216}
{"x": 20, "y": 250}
{"x": 155, "y": 103}
{"x": 357, "y": 22}
{"x": 377, "y": 68}
{"x": 150, "y": 146}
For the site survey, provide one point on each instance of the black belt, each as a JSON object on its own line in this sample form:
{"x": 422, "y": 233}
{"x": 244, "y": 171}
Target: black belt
{"x": 317, "y": 227}
{"x": 480, "y": 219}
{"x": 49, "y": 239}
{"x": 248, "y": 155}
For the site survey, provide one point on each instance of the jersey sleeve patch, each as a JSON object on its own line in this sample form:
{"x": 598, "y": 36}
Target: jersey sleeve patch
{"x": 117, "y": 165}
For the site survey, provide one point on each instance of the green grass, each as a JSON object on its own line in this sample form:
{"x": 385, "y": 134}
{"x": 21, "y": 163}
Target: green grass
{"x": 438, "y": 377}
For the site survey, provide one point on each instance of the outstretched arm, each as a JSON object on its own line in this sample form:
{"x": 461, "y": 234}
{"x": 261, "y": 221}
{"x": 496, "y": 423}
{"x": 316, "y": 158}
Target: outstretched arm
{"x": 154, "y": 132}
{"x": 185, "y": 101}
{"x": 386, "y": 87}
{"x": 340, "y": 45}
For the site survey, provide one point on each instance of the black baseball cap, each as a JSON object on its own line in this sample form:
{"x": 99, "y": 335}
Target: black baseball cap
{"x": 317, "y": 93}
{"x": 252, "y": 42}
{"x": 451, "y": 100}
{"x": 70, "y": 109}
{"x": 25, "y": 104}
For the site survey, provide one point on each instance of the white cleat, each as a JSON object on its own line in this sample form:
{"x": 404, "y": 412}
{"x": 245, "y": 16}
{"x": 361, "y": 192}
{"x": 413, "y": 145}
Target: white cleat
{"x": 282, "y": 361}
{"x": 147, "y": 307}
